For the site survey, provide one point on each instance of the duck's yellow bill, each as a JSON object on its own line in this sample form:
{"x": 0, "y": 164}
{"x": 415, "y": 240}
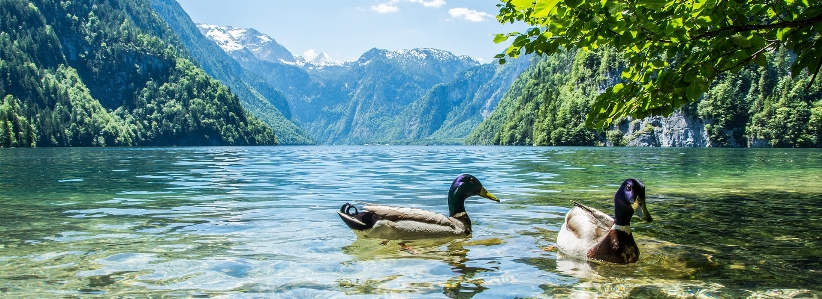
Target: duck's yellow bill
{"x": 641, "y": 211}
{"x": 488, "y": 195}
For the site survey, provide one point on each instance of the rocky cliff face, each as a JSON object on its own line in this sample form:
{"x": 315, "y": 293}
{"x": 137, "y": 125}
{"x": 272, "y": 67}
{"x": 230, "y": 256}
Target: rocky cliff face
{"x": 677, "y": 130}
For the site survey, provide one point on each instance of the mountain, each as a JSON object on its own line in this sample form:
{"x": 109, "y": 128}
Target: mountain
{"x": 760, "y": 106}
{"x": 350, "y": 102}
{"x": 365, "y": 94}
{"x": 550, "y": 96}
{"x": 249, "y": 40}
{"x": 320, "y": 61}
{"x": 449, "y": 111}
{"x": 109, "y": 73}
{"x": 258, "y": 96}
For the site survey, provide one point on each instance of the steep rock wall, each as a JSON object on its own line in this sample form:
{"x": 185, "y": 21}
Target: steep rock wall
{"x": 677, "y": 130}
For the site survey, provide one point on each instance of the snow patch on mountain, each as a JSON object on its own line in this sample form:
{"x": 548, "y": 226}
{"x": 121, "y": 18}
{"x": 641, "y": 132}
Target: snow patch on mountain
{"x": 224, "y": 38}
{"x": 319, "y": 61}
{"x": 232, "y": 39}
{"x": 415, "y": 56}
{"x": 239, "y": 42}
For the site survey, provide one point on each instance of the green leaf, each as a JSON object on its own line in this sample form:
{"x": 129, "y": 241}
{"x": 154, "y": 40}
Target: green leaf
{"x": 797, "y": 66}
{"x": 614, "y": 7}
{"x": 543, "y": 8}
{"x": 573, "y": 3}
{"x": 693, "y": 93}
{"x": 758, "y": 42}
{"x": 782, "y": 33}
{"x": 653, "y": 4}
{"x": 522, "y": 4}
{"x": 658, "y": 63}
{"x": 520, "y": 41}
{"x": 741, "y": 41}
{"x": 626, "y": 74}
{"x": 498, "y": 38}
{"x": 617, "y": 87}
{"x": 760, "y": 60}
{"x": 688, "y": 79}
{"x": 704, "y": 21}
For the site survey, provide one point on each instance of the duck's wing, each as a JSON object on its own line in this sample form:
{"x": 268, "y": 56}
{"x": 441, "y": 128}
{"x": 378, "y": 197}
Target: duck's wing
{"x": 602, "y": 219}
{"x": 410, "y": 214}
{"x": 588, "y": 223}
{"x": 412, "y": 223}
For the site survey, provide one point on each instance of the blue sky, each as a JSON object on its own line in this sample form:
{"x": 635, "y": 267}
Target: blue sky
{"x": 345, "y": 29}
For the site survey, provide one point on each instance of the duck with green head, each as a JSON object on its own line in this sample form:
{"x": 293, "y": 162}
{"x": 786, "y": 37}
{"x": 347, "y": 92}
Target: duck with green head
{"x": 590, "y": 234}
{"x": 398, "y": 223}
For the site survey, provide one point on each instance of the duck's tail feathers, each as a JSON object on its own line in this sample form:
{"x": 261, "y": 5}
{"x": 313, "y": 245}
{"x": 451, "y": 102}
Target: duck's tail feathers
{"x": 584, "y": 207}
{"x": 353, "y": 220}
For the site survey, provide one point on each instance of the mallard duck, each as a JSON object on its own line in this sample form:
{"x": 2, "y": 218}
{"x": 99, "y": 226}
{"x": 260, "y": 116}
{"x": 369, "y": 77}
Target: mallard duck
{"x": 590, "y": 234}
{"x": 398, "y": 223}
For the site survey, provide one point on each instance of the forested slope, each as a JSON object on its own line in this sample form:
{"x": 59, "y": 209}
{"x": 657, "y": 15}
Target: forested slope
{"x": 258, "y": 96}
{"x": 762, "y": 106}
{"x": 89, "y": 73}
{"x": 450, "y": 111}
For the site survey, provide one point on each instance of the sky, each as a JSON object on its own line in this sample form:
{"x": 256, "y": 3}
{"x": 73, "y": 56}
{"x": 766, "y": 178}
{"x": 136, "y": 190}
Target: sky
{"x": 345, "y": 29}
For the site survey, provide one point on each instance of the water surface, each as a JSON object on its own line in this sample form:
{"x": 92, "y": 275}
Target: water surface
{"x": 261, "y": 222}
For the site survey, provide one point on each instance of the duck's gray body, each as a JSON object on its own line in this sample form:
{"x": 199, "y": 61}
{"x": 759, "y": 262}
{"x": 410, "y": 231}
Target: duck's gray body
{"x": 397, "y": 223}
{"x": 393, "y": 223}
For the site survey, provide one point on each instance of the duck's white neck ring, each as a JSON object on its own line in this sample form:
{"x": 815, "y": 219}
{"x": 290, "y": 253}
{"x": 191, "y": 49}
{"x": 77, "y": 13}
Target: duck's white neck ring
{"x": 625, "y": 228}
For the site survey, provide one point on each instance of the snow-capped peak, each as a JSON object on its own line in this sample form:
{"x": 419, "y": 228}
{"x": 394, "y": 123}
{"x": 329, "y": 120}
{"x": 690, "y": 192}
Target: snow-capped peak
{"x": 232, "y": 39}
{"x": 416, "y": 55}
{"x": 225, "y": 37}
{"x": 320, "y": 60}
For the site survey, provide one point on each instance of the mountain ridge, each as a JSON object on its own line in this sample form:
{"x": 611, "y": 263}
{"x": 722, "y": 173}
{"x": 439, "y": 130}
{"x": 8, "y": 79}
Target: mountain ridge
{"x": 257, "y": 95}
{"x": 109, "y": 74}
{"x": 349, "y": 102}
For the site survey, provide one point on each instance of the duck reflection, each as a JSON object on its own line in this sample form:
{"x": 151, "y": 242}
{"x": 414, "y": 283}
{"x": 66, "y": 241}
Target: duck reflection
{"x": 578, "y": 268}
{"x": 463, "y": 285}
{"x": 453, "y": 252}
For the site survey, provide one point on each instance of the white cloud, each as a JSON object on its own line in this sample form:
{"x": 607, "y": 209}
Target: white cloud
{"x": 468, "y": 14}
{"x": 429, "y": 3}
{"x": 391, "y": 5}
{"x": 309, "y": 55}
{"x": 386, "y": 7}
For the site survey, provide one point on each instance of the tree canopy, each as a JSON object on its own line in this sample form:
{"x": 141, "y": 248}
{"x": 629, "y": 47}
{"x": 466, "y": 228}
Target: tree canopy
{"x": 674, "y": 50}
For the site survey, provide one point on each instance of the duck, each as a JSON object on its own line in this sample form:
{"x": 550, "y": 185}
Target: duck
{"x": 403, "y": 223}
{"x": 591, "y": 234}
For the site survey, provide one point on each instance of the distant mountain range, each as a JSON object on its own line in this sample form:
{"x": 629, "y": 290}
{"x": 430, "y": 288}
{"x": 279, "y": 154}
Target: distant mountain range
{"x": 364, "y": 101}
{"x": 140, "y": 72}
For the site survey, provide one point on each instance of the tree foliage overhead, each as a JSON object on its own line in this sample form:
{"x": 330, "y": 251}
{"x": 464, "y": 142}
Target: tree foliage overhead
{"x": 674, "y": 50}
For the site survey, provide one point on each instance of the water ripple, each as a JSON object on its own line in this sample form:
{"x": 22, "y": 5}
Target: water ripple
{"x": 261, "y": 221}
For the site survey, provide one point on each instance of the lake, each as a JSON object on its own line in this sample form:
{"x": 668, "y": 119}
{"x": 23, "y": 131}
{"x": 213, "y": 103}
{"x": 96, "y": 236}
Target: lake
{"x": 249, "y": 222}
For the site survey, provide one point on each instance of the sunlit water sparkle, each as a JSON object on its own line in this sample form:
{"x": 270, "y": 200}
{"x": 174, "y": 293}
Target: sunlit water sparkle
{"x": 261, "y": 222}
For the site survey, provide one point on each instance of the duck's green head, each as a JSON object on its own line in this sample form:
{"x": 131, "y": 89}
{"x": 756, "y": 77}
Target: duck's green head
{"x": 465, "y": 186}
{"x": 629, "y": 200}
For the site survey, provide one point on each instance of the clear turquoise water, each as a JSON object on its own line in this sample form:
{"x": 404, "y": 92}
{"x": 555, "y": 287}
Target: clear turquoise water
{"x": 261, "y": 222}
